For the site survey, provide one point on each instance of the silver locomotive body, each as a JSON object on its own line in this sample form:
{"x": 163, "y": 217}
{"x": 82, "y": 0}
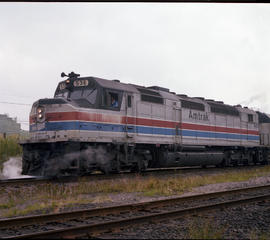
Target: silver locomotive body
{"x": 97, "y": 124}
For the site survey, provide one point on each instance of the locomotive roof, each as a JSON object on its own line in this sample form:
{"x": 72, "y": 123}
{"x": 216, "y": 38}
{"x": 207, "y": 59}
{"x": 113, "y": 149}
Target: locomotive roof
{"x": 115, "y": 84}
{"x": 166, "y": 94}
{"x": 245, "y": 110}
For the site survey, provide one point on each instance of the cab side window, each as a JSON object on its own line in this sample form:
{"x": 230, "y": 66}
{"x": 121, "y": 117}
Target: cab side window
{"x": 114, "y": 99}
{"x": 111, "y": 100}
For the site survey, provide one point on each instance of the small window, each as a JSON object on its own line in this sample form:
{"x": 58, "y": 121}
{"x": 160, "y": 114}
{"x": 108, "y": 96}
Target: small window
{"x": 250, "y": 118}
{"x": 223, "y": 109}
{"x": 129, "y": 101}
{"x": 153, "y": 99}
{"x": 192, "y": 105}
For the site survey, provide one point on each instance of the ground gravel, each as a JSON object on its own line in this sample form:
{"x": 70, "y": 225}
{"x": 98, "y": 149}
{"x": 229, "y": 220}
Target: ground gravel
{"x": 249, "y": 222}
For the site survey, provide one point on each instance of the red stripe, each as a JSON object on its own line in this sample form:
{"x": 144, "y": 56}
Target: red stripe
{"x": 149, "y": 122}
{"x": 191, "y": 126}
{"x": 98, "y": 117}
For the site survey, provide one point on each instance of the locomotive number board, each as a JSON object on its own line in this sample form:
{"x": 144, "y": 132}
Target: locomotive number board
{"x": 80, "y": 83}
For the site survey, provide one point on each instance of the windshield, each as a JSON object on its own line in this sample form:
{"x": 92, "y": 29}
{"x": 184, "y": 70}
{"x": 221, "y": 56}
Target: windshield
{"x": 62, "y": 94}
{"x": 89, "y": 94}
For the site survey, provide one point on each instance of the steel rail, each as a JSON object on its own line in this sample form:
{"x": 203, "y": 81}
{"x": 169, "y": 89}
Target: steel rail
{"x": 100, "y": 176}
{"x": 33, "y": 180}
{"x": 44, "y": 218}
{"x": 30, "y": 180}
{"x": 83, "y": 230}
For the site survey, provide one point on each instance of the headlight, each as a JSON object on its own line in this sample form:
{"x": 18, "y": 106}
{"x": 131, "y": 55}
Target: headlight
{"x": 40, "y": 113}
{"x": 39, "y": 110}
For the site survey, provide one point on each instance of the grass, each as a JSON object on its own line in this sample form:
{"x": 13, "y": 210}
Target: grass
{"x": 9, "y": 147}
{"x": 53, "y": 196}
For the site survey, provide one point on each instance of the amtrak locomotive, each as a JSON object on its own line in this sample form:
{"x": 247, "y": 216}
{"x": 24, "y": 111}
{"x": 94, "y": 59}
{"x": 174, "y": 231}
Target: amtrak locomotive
{"x": 96, "y": 124}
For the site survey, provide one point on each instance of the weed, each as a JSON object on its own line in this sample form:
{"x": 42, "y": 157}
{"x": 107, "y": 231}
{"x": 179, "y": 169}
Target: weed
{"x": 260, "y": 236}
{"x": 201, "y": 229}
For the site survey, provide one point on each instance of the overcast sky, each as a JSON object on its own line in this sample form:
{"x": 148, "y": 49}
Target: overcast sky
{"x": 211, "y": 50}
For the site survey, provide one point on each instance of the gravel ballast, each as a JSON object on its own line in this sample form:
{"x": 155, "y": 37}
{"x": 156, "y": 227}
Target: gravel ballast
{"x": 251, "y": 221}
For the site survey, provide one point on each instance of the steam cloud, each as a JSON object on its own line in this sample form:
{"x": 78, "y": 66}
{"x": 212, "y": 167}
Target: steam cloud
{"x": 90, "y": 155}
{"x": 12, "y": 169}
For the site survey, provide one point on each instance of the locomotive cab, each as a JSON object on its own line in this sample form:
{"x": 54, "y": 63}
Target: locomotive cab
{"x": 89, "y": 93}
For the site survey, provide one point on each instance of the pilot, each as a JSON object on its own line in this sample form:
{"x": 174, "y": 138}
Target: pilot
{"x": 114, "y": 102}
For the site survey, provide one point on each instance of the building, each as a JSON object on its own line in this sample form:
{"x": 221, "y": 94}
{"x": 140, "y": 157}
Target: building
{"x": 9, "y": 126}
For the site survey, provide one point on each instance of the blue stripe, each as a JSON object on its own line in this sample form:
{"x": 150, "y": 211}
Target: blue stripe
{"x": 90, "y": 126}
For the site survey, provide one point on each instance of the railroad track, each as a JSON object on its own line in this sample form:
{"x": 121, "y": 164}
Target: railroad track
{"x": 100, "y": 176}
{"x": 94, "y": 176}
{"x": 91, "y": 222}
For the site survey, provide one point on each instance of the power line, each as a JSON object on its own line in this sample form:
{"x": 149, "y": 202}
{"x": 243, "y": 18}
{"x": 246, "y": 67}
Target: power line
{"x": 23, "y": 122}
{"x": 25, "y": 104}
{"x": 20, "y": 96}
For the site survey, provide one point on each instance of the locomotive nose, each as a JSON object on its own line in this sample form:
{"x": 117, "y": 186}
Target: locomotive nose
{"x": 40, "y": 109}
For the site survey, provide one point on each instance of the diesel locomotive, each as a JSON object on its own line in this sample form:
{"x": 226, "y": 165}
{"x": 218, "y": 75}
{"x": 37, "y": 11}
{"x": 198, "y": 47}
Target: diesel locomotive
{"x": 94, "y": 124}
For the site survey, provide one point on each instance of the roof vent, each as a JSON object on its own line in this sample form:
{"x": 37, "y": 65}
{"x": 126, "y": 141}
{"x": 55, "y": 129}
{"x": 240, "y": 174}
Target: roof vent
{"x": 238, "y": 105}
{"x": 201, "y": 98}
{"x": 160, "y": 88}
{"x": 220, "y": 102}
{"x": 116, "y": 80}
{"x": 172, "y": 93}
{"x": 209, "y": 100}
{"x": 181, "y": 95}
